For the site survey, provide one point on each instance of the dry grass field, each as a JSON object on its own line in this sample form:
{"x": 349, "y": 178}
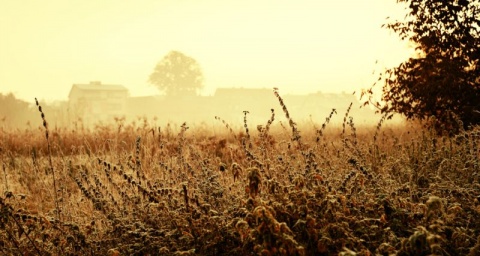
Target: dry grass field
{"x": 276, "y": 188}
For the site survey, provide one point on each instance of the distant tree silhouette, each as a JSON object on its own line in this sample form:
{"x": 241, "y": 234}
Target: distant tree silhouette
{"x": 14, "y": 113}
{"x": 443, "y": 79}
{"x": 177, "y": 74}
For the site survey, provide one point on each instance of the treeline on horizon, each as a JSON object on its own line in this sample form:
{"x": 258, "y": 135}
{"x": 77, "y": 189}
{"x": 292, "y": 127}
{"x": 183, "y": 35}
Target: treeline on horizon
{"x": 19, "y": 114}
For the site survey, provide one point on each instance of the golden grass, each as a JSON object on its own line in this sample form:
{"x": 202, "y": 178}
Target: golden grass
{"x": 311, "y": 189}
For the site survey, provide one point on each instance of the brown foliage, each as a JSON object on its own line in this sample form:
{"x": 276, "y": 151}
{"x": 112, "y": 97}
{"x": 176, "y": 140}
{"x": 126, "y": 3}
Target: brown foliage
{"x": 137, "y": 190}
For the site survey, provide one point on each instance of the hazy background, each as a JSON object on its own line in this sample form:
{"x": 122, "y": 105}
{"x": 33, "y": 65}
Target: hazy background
{"x": 298, "y": 46}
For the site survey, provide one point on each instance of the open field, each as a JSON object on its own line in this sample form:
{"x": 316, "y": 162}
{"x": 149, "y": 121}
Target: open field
{"x": 274, "y": 189}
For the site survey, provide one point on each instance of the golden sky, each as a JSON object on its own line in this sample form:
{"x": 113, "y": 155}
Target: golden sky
{"x": 298, "y": 46}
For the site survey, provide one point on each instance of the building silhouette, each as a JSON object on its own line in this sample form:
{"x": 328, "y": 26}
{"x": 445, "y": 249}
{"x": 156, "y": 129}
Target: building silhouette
{"x": 97, "y": 102}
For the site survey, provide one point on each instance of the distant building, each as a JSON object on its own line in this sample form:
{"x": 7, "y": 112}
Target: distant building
{"x": 315, "y": 106}
{"x": 231, "y": 102}
{"x": 242, "y": 94}
{"x": 97, "y": 102}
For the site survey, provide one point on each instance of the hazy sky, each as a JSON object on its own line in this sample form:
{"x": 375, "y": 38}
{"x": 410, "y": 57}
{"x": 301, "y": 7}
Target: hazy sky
{"x": 298, "y": 46}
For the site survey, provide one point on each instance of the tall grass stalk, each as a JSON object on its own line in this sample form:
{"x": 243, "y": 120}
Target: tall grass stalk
{"x": 45, "y": 125}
